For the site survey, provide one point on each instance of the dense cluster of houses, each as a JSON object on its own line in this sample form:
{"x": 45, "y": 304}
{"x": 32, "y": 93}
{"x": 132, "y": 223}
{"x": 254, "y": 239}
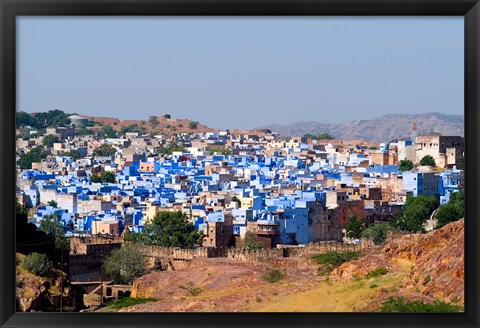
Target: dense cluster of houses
{"x": 273, "y": 189}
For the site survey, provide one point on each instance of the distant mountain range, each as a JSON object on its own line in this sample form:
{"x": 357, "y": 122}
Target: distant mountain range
{"x": 382, "y": 129}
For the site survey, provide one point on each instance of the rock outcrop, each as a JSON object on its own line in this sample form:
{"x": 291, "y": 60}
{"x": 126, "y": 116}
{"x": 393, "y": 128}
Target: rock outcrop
{"x": 361, "y": 267}
{"x": 42, "y": 294}
{"x": 437, "y": 259}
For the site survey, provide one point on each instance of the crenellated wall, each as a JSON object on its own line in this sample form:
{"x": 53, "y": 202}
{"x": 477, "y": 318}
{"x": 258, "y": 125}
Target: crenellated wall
{"x": 163, "y": 257}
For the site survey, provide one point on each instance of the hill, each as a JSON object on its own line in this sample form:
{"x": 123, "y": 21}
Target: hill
{"x": 382, "y": 129}
{"x": 154, "y": 124}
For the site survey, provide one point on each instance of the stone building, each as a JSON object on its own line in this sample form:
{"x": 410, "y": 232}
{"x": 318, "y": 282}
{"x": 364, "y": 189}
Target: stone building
{"x": 445, "y": 150}
{"x": 218, "y": 234}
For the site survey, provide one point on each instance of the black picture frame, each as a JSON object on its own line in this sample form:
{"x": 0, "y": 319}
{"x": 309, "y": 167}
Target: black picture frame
{"x": 470, "y": 9}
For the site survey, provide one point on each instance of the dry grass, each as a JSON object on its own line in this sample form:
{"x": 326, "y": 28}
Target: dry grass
{"x": 28, "y": 292}
{"x": 54, "y": 289}
{"x": 340, "y": 296}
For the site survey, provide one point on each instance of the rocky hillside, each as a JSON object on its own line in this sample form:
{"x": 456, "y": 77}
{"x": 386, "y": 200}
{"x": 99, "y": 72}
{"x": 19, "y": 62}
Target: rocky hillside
{"x": 436, "y": 270}
{"x": 385, "y": 128}
{"x": 438, "y": 259}
{"x": 154, "y": 124}
{"x": 41, "y": 294}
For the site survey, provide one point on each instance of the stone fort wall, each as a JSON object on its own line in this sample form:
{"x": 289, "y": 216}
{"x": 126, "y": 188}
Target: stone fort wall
{"x": 246, "y": 255}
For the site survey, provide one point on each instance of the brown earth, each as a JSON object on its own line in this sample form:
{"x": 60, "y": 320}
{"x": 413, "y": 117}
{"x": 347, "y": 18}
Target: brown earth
{"x": 164, "y": 125}
{"x": 222, "y": 286}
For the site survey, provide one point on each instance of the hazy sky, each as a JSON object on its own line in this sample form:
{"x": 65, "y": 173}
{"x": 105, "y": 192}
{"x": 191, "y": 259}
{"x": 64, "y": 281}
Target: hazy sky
{"x": 241, "y": 72}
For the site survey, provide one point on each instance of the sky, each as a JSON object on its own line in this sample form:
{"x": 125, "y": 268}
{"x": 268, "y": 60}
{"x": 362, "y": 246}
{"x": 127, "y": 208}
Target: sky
{"x": 241, "y": 72}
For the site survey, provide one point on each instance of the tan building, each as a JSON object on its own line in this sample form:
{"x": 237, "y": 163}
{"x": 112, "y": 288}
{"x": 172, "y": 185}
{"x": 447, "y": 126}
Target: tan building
{"x": 106, "y": 227}
{"x": 146, "y": 167}
{"x": 390, "y": 158}
{"x": 445, "y": 150}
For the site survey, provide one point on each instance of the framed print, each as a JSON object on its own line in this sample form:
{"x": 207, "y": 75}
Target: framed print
{"x": 199, "y": 163}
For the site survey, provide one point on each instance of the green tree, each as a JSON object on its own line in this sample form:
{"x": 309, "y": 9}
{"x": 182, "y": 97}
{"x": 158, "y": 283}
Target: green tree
{"x": 153, "y": 121}
{"x": 124, "y": 265}
{"x": 57, "y": 118}
{"x": 104, "y": 150}
{"x": 52, "y": 203}
{"x": 49, "y": 140}
{"x": 52, "y": 225}
{"x": 405, "y": 165}
{"x": 321, "y": 136}
{"x": 38, "y": 264}
{"x": 251, "y": 242}
{"x": 74, "y": 154}
{"x": 106, "y": 176}
{"x": 427, "y": 160}
{"x": 83, "y": 130}
{"x": 26, "y": 159}
{"x": 132, "y": 128}
{"x": 415, "y": 212}
{"x": 354, "y": 227}
{"x": 171, "y": 229}
{"x": 42, "y": 120}
{"x": 451, "y": 211}
{"x": 193, "y": 125}
{"x": 378, "y": 232}
{"x": 95, "y": 178}
{"x": 23, "y": 119}
{"x": 108, "y": 132}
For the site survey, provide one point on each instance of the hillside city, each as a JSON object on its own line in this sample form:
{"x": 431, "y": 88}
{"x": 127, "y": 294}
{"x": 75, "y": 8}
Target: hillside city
{"x": 101, "y": 188}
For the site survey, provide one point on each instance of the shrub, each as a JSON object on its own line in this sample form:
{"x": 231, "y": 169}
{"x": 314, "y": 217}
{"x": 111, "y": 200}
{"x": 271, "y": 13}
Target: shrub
{"x": 153, "y": 121}
{"x": 273, "y": 275}
{"x": 377, "y": 272}
{"x": 373, "y": 286}
{"x": 354, "y": 227}
{"x": 193, "y": 125}
{"x": 330, "y": 260}
{"x": 405, "y": 165}
{"x": 37, "y": 263}
{"x": 400, "y": 304}
{"x": 378, "y": 232}
{"x": 49, "y": 140}
{"x": 427, "y": 160}
{"x": 251, "y": 243}
{"x": 427, "y": 279}
{"x": 191, "y": 288}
